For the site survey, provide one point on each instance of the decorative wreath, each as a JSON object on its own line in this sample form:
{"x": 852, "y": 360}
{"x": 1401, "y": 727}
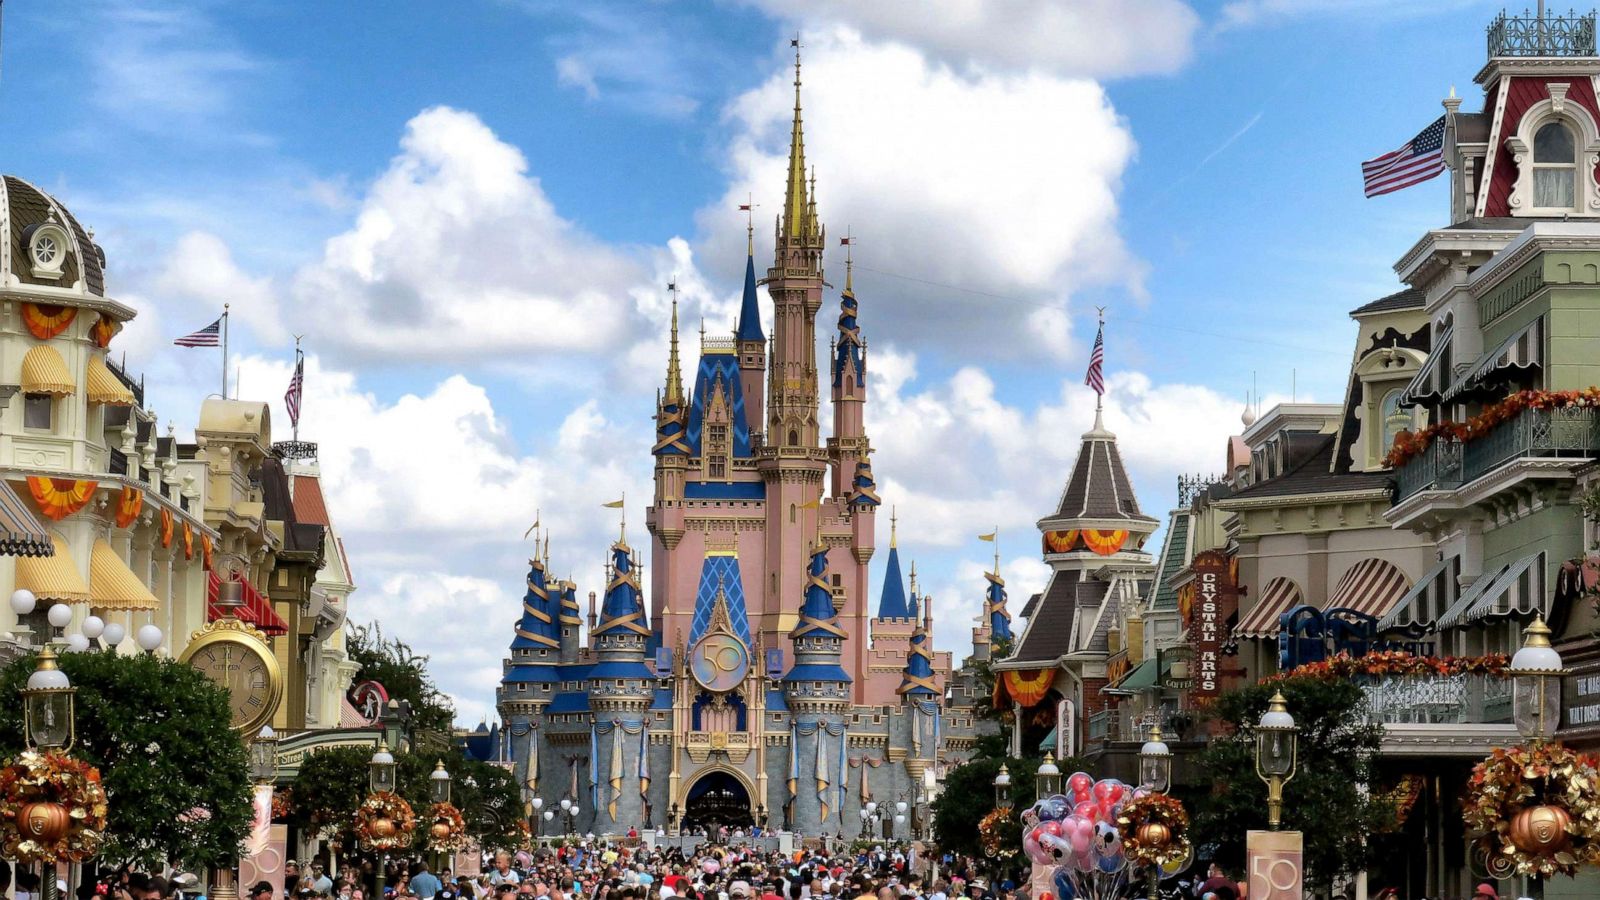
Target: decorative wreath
{"x": 282, "y": 804}
{"x": 446, "y": 814}
{"x": 1513, "y": 780}
{"x": 57, "y": 779}
{"x": 992, "y": 834}
{"x": 388, "y": 806}
{"x": 1154, "y": 809}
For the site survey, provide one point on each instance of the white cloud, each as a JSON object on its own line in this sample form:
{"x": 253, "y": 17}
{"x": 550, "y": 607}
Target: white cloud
{"x": 457, "y": 253}
{"x": 1004, "y": 184}
{"x": 1097, "y": 38}
{"x": 1243, "y": 13}
{"x": 201, "y": 271}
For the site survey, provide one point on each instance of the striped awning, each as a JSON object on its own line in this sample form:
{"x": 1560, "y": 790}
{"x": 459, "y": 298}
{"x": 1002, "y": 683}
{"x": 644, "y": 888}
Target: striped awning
{"x": 54, "y": 577}
{"x": 1428, "y": 385}
{"x": 1370, "y": 587}
{"x": 1522, "y": 351}
{"x": 104, "y": 387}
{"x": 1419, "y": 610}
{"x": 45, "y": 372}
{"x": 20, "y": 531}
{"x": 1278, "y": 597}
{"x": 113, "y": 586}
{"x": 1516, "y": 588}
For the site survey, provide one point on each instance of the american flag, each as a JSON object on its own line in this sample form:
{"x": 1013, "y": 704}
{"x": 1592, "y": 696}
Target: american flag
{"x": 209, "y": 336}
{"x": 1420, "y": 159}
{"x": 291, "y": 399}
{"x": 1095, "y": 377}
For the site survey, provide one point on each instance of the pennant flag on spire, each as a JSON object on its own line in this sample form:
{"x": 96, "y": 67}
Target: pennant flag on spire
{"x": 1095, "y": 377}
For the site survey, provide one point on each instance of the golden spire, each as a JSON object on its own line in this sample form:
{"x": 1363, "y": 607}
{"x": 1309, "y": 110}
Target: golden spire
{"x": 674, "y": 374}
{"x": 796, "y": 205}
{"x": 894, "y": 527}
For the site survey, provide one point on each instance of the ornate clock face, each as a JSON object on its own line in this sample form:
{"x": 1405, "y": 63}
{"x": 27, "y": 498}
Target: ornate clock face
{"x": 246, "y": 669}
{"x": 719, "y": 661}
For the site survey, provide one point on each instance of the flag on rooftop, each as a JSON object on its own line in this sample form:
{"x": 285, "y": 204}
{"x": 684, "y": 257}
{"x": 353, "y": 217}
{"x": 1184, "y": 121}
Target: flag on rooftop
{"x": 209, "y": 336}
{"x": 1095, "y": 377}
{"x": 291, "y": 399}
{"x": 1420, "y": 159}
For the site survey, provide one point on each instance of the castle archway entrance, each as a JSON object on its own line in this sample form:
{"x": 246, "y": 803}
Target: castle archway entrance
{"x": 718, "y": 799}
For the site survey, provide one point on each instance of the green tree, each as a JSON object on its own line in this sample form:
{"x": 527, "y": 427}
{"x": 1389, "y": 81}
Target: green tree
{"x": 176, "y": 773}
{"x": 404, "y": 675}
{"x": 1337, "y": 750}
{"x": 968, "y": 795}
{"x": 333, "y": 781}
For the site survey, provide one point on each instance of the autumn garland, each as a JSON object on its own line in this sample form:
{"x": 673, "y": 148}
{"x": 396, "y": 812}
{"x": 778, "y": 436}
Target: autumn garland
{"x": 1511, "y": 780}
{"x": 52, "y": 777}
{"x": 446, "y": 814}
{"x": 282, "y": 804}
{"x": 1398, "y": 663}
{"x": 394, "y": 808}
{"x": 1408, "y": 444}
{"x": 1155, "y": 809}
{"x": 991, "y": 834}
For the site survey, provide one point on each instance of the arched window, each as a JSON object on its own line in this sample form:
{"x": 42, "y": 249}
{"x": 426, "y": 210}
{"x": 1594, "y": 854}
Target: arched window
{"x": 794, "y": 438}
{"x": 1555, "y": 167}
{"x": 1391, "y": 420}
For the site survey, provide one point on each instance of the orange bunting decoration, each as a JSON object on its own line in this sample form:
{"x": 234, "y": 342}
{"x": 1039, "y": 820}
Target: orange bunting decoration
{"x": 188, "y": 541}
{"x": 1105, "y": 543}
{"x": 45, "y": 320}
{"x": 166, "y": 528}
{"x": 60, "y": 497}
{"x": 1060, "y": 541}
{"x": 104, "y": 330}
{"x": 128, "y": 506}
{"x": 1028, "y": 686}
{"x": 205, "y": 550}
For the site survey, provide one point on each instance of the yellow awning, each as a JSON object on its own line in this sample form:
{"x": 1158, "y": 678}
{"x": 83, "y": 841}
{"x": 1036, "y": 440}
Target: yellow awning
{"x": 104, "y": 387}
{"x": 112, "y": 585}
{"x": 53, "y": 577}
{"x": 44, "y": 372}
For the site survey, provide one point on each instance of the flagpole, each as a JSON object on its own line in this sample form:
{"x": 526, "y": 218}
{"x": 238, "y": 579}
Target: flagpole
{"x": 298, "y": 358}
{"x": 224, "y": 351}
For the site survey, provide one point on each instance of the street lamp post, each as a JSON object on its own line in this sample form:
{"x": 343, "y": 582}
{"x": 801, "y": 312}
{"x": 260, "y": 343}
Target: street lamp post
{"x": 1048, "y": 777}
{"x": 439, "y": 792}
{"x": 1002, "y": 788}
{"x": 264, "y": 756}
{"x": 380, "y": 780}
{"x": 536, "y": 804}
{"x": 1155, "y": 762}
{"x": 48, "y": 725}
{"x": 1536, "y": 672}
{"x": 1277, "y": 740}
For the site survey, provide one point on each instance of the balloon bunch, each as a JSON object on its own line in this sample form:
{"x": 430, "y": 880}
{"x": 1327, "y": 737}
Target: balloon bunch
{"x": 1073, "y": 842}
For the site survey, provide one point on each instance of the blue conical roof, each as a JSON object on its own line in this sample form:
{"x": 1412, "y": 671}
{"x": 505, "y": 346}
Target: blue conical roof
{"x": 622, "y": 611}
{"x": 994, "y": 606}
{"x": 847, "y": 352}
{"x": 817, "y": 615}
{"x": 892, "y": 601}
{"x": 913, "y": 607}
{"x": 538, "y": 627}
{"x": 749, "y": 308}
{"x": 917, "y": 677}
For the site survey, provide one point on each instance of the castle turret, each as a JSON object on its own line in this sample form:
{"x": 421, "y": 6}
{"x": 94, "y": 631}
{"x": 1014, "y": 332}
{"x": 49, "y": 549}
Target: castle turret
{"x": 751, "y": 343}
{"x": 620, "y": 690}
{"x": 848, "y": 446}
{"x": 817, "y": 692}
{"x": 892, "y": 599}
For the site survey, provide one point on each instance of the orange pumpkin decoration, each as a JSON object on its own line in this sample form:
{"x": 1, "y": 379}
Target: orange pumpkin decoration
{"x": 44, "y": 822}
{"x": 1541, "y": 830}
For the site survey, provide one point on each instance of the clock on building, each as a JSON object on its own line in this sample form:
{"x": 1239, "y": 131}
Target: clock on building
{"x": 237, "y": 657}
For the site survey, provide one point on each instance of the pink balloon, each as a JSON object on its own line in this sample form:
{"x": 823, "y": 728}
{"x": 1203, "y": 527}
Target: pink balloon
{"x": 1079, "y": 833}
{"x": 1086, "y": 809}
{"x": 1031, "y": 846}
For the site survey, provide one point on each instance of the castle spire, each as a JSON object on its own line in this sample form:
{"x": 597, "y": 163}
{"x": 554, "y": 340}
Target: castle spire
{"x": 796, "y": 198}
{"x": 674, "y": 392}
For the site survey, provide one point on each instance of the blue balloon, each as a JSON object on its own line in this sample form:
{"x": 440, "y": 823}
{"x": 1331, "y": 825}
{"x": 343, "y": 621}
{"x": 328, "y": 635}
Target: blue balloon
{"x": 1063, "y": 883}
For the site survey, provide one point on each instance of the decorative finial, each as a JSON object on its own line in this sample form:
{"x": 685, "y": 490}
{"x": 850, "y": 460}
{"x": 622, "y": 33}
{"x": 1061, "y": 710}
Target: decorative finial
{"x": 848, "y": 243}
{"x": 748, "y": 208}
{"x": 894, "y": 527}
{"x": 913, "y": 577}
{"x": 674, "y": 393}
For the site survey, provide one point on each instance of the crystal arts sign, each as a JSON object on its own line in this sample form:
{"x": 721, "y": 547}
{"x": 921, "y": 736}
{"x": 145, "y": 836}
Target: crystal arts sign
{"x": 1214, "y": 595}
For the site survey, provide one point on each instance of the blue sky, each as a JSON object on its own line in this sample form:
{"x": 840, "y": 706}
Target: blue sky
{"x": 470, "y": 209}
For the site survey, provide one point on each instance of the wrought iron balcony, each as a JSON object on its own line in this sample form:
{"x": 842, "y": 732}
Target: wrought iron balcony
{"x": 1571, "y": 433}
{"x": 1438, "y": 700}
{"x": 1533, "y": 35}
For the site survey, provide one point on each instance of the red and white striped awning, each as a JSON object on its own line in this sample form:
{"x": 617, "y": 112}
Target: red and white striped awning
{"x": 1278, "y": 597}
{"x": 1372, "y": 586}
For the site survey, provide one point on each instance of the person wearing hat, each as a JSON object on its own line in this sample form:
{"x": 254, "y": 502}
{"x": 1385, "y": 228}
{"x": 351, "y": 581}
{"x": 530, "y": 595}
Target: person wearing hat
{"x": 1485, "y": 891}
{"x": 739, "y": 890}
{"x": 262, "y": 891}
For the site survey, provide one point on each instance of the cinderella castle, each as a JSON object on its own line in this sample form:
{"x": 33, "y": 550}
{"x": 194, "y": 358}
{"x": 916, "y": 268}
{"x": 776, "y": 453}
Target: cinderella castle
{"x": 748, "y": 678}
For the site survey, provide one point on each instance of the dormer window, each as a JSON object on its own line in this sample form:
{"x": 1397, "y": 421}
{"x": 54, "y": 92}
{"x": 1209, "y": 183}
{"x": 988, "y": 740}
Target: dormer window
{"x": 1555, "y": 167}
{"x": 47, "y": 249}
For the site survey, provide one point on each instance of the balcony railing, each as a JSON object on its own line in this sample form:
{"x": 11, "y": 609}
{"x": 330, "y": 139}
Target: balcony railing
{"x": 1436, "y": 468}
{"x": 1572, "y": 433}
{"x": 1438, "y": 700}
{"x": 1531, "y": 35}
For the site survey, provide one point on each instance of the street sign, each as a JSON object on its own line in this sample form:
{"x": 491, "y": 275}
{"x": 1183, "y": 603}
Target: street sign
{"x": 1276, "y": 864}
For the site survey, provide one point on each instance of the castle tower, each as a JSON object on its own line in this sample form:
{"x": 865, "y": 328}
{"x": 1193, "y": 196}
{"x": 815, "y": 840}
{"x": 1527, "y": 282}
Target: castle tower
{"x": 620, "y": 690}
{"x": 817, "y": 693}
{"x": 531, "y": 674}
{"x": 751, "y": 343}
{"x": 848, "y": 445}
